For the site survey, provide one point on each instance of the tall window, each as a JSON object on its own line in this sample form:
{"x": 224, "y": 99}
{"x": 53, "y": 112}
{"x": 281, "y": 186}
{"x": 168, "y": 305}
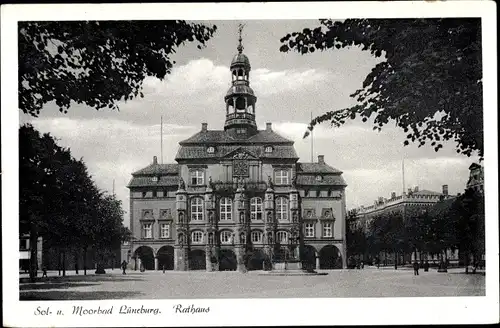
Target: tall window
{"x": 327, "y": 230}
{"x": 226, "y": 237}
{"x": 256, "y": 208}
{"x": 164, "y": 230}
{"x": 197, "y": 237}
{"x": 197, "y": 209}
{"x": 310, "y": 230}
{"x": 282, "y": 237}
{"x": 196, "y": 177}
{"x": 147, "y": 230}
{"x": 282, "y": 208}
{"x": 256, "y": 237}
{"x": 281, "y": 177}
{"x": 226, "y": 208}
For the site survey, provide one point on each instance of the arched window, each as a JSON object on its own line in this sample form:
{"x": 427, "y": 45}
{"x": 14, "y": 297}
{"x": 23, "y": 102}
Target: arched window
{"x": 226, "y": 237}
{"x": 256, "y": 236}
{"x": 197, "y": 237}
{"x": 256, "y": 208}
{"x": 226, "y": 209}
{"x": 196, "y": 209}
{"x": 282, "y": 237}
{"x": 282, "y": 208}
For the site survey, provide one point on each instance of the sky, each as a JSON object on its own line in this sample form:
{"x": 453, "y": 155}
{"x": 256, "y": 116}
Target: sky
{"x": 289, "y": 88}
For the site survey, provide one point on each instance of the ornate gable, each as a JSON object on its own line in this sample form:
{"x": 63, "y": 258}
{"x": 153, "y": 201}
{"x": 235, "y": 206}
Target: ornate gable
{"x": 240, "y": 154}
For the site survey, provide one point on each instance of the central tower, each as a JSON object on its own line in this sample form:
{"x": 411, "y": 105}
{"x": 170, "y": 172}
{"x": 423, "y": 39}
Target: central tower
{"x": 240, "y": 98}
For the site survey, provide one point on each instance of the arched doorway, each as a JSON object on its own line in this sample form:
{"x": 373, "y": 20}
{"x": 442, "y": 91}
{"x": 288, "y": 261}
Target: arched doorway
{"x": 227, "y": 260}
{"x": 145, "y": 256}
{"x": 330, "y": 258}
{"x": 256, "y": 260}
{"x": 197, "y": 260}
{"x": 309, "y": 257}
{"x": 166, "y": 258}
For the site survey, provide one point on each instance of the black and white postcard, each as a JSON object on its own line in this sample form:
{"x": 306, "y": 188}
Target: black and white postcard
{"x": 249, "y": 164}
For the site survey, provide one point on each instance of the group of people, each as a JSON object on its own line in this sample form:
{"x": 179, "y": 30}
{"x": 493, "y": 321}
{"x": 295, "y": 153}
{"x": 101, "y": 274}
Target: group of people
{"x": 416, "y": 267}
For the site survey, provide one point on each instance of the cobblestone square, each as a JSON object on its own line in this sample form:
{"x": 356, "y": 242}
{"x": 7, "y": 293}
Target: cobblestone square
{"x": 370, "y": 282}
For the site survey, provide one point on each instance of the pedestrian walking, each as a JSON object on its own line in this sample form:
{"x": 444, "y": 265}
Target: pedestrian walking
{"x": 124, "y": 266}
{"x": 44, "y": 272}
{"x": 415, "y": 268}
{"x": 426, "y": 266}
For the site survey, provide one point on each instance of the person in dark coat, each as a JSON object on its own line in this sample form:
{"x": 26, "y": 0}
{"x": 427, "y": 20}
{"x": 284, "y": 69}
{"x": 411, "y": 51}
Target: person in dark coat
{"x": 124, "y": 266}
{"x": 426, "y": 266}
{"x": 415, "y": 268}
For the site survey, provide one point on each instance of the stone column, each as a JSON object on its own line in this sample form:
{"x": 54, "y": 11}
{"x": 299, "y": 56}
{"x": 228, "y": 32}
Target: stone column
{"x": 156, "y": 263}
{"x": 179, "y": 259}
{"x": 208, "y": 262}
{"x": 240, "y": 266}
{"x": 135, "y": 263}
{"x": 317, "y": 262}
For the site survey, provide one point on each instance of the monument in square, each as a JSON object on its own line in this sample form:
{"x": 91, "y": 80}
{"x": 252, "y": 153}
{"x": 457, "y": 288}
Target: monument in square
{"x": 237, "y": 198}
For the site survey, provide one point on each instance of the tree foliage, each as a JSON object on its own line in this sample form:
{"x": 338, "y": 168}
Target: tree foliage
{"x": 96, "y": 63}
{"x": 59, "y": 201}
{"x": 429, "y": 82}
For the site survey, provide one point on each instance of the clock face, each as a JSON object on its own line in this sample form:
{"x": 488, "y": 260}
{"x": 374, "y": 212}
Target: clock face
{"x": 240, "y": 168}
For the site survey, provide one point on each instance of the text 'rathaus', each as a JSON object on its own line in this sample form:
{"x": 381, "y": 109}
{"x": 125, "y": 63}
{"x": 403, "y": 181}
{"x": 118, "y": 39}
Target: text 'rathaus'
{"x": 237, "y": 199}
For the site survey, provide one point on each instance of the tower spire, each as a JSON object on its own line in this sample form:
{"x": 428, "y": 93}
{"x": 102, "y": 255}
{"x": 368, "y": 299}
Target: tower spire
{"x": 240, "y": 30}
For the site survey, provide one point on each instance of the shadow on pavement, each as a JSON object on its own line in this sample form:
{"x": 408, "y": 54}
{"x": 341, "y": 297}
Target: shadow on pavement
{"x": 54, "y": 285}
{"x": 90, "y": 278}
{"x": 74, "y": 295}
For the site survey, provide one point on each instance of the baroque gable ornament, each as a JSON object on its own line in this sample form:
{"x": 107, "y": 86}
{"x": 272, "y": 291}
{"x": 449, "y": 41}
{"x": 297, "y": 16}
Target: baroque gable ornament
{"x": 240, "y": 168}
{"x": 241, "y": 155}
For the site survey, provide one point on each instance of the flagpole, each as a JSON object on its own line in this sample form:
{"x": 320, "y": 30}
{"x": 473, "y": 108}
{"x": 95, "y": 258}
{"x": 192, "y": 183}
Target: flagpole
{"x": 161, "y": 139}
{"x": 312, "y": 141}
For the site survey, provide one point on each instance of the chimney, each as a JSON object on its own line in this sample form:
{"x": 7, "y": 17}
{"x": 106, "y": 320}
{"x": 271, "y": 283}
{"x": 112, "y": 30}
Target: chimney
{"x": 445, "y": 190}
{"x": 269, "y": 126}
{"x": 393, "y": 195}
{"x": 416, "y": 189}
{"x": 409, "y": 191}
{"x": 204, "y": 127}
{"x": 321, "y": 159}
{"x": 155, "y": 160}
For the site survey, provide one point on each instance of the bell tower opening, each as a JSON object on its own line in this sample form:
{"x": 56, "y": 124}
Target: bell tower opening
{"x": 240, "y": 98}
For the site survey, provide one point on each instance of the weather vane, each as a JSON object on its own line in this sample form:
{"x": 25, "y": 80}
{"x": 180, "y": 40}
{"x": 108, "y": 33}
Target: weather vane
{"x": 240, "y": 30}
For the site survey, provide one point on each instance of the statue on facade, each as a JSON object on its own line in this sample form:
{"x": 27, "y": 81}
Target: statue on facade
{"x": 269, "y": 182}
{"x": 269, "y": 217}
{"x": 294, "y": 182}
{"x": 182, "y": 184}
{"x": 210, "y": 182}
{"x": 242, "y": 217}
{"x": 211, "y": 217}
{"x": 294, "y": 217}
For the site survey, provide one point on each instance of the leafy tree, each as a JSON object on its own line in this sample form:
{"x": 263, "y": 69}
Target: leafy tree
{"x": 97, "y": 63}
{"x": 60, "y": 202}
{"x": 429, "y": 82}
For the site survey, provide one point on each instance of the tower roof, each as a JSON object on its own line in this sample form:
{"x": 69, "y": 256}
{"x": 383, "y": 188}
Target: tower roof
{"x": 240, "y": 59}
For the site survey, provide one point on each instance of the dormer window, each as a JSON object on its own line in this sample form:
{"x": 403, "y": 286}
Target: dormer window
{"x": 211, "y": 150}
{"x": 268, "y": 149}
{"x": 154, "y": 179}
{"x": 241, "y": 131}
{"x": 319, "y": 178}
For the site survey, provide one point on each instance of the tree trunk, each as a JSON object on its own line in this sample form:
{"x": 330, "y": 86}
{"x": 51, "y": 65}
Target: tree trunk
{"x": 466, "y": 262}
{"x": 33, "y": 252}
{"x": 85, "y": 260}
{"x": 59, "y": 260}
{"x": 64, "y": 263}
{"x": 395, "y": 260}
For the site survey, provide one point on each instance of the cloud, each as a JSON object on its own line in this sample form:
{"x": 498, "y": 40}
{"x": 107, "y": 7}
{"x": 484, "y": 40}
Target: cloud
{"x": 267, "y": 82}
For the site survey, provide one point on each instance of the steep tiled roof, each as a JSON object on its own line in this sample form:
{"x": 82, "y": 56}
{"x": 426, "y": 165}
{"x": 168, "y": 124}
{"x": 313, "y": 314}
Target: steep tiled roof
{"x": 200, "y": 152}
{"x": 164, "y": 181}
{"x": 221, "y": 137}
{"x": 327, "y": 180}
{"x": 158, "y": 169}
{"x": 316, "y": 168}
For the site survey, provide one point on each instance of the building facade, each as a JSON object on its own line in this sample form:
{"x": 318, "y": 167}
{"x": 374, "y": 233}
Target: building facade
{"x": 411, "y": 201}
{"x": 236, "y": 199}
{"x": 476, "y": 178}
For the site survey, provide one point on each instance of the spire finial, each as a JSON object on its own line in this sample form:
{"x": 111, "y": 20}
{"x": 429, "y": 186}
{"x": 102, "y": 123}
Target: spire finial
{"x": 240, "y": 30}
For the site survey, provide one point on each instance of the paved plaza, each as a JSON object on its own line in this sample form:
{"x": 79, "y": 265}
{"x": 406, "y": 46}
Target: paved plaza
{"x": 369, "y": 282}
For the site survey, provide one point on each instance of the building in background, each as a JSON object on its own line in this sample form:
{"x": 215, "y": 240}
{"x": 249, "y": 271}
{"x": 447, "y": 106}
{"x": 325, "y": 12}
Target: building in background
{"x": 476, "y": 178}
{"x": 25, "y": 253}
{"x": 414, "y": 200}
{"x": 237, "y": 198}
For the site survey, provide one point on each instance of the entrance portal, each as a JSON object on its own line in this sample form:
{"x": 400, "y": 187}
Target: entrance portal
{"x": 227, "y": 260}
{"x": 146, "y": 256}
{"x": 197, "y": 260}
{"x": 330, "y": 258}
{"x": 166, "y": 258}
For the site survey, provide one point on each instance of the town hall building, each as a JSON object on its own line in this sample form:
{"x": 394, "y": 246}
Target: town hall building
{"x": 237, "y": 199}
